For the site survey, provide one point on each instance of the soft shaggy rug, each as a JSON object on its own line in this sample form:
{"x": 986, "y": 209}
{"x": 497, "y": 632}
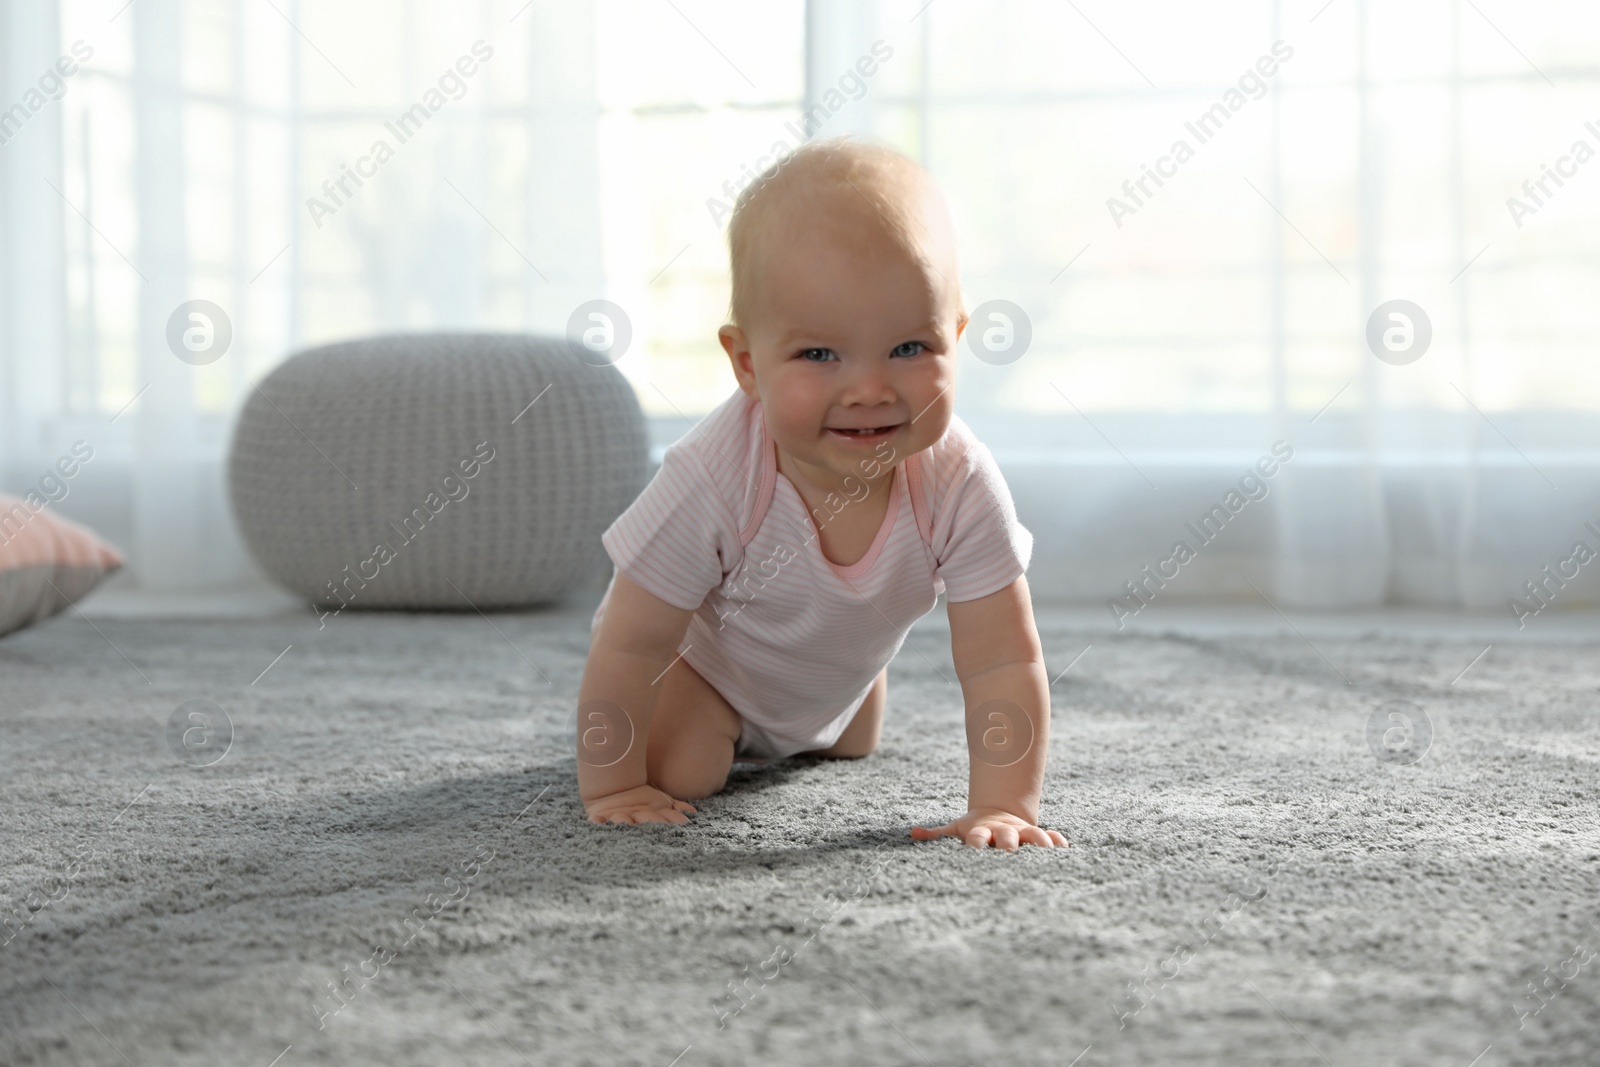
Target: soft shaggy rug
{"x": 388, "y": 864}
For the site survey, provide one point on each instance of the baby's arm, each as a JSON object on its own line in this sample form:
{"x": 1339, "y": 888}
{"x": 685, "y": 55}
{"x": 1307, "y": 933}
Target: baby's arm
{"x": 636, "y": 642}
{"x": 1007, "y": 693}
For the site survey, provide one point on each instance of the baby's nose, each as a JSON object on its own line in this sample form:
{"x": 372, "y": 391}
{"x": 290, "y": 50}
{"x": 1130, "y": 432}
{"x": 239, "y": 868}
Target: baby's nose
{"x": 869, "y": 385}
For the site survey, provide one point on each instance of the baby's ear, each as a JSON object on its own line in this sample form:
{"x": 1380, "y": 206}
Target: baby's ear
{"x": 738, "y": 349}
{"x": 961, "y": 325}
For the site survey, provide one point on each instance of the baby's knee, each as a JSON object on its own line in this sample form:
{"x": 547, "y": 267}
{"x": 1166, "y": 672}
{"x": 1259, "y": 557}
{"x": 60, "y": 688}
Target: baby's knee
{"x": 688, "y": 772}
{"x": 848, "y": 748}
{"x": 861, "y": 752}
{"x": 860, "y": 737}
{"x": 689, "y": 784}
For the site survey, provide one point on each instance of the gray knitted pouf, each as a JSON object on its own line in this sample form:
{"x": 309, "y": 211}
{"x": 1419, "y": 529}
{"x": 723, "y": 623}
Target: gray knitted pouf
{"x": 409, "y": 471}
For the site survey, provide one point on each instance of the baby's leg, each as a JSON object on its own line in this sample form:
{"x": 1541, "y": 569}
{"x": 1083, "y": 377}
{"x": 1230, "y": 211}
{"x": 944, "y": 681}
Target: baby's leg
{"x": 861, "y": 736}
{"x": 692, "y": 736}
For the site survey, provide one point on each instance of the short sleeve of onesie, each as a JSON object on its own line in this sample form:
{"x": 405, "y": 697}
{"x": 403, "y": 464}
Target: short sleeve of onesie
{"x": 677, "y": 539}
{"x": 980, "y": 546}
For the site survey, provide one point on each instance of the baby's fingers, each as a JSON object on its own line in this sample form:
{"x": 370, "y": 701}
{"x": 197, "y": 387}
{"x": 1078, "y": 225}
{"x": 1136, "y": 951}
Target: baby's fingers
{"x": 979, "y": 836}
{"x": 1034, "y": 835}
{"x": 928, "y": 833}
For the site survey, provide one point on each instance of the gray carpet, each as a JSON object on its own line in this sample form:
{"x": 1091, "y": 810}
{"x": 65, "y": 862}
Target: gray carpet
{"x": 390, "y": 766}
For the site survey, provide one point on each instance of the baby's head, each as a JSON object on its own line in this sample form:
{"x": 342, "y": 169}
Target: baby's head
{"x": 846, "y": 305}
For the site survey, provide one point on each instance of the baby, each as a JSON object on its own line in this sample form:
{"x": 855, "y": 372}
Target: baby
{"x": 770, "y": 570}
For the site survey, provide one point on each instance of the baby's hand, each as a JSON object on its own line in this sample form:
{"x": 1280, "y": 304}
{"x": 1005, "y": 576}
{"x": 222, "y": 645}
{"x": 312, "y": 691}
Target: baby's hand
{"x": 642, "y": 803}
{"x": 982, "y": 827}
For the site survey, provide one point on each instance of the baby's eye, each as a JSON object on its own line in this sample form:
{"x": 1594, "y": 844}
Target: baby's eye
{"x": 821, "y": 355}
{"x": 908, "y": 348}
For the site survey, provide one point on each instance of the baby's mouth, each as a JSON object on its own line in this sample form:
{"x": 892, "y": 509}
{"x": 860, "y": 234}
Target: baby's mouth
{"x": 863, "y": 434}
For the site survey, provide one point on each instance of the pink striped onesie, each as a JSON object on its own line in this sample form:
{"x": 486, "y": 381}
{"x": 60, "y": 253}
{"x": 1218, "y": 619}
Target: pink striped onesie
{"x": 790, "y": 639}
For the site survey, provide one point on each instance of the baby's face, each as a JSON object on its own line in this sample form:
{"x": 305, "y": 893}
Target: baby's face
{"x": 840, "y": 339}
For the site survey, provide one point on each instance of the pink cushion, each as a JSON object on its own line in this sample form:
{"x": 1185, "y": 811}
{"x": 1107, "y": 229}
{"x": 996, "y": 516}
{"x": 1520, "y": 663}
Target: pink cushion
{"x": 47, "y": 563}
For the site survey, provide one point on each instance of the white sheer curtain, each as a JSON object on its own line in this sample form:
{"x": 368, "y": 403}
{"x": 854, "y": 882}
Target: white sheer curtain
{"x": 191, "y": 156}
{"x": 1357, "y": 153}
{"x": 1174, "y": 339}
